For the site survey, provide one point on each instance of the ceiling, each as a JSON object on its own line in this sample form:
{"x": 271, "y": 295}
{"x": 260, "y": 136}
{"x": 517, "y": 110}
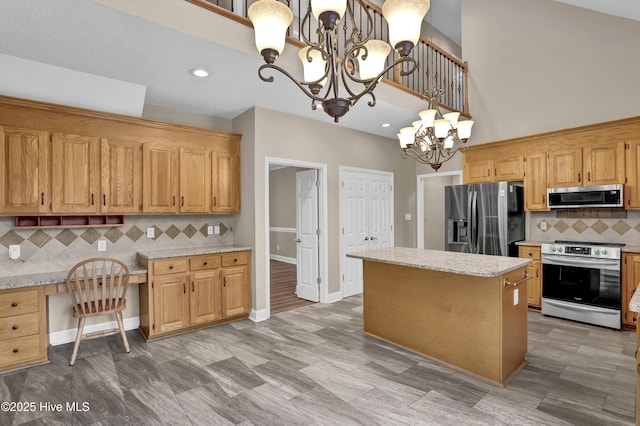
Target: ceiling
{"x": 88, "y": 36}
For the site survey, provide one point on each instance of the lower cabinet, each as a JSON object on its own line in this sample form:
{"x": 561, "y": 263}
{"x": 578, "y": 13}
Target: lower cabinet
{"x": 185, "y": 293}
{"x": 534, "y": 285}
{"x": 630, "y": 280}
{"x": 23, "y": 328}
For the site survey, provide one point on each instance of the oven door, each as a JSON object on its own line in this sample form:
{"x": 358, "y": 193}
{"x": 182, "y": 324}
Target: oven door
{"x": 595, "y": 282}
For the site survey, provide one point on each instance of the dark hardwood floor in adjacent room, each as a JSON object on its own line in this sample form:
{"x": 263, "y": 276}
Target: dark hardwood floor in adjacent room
{"x": 283, "y": 288}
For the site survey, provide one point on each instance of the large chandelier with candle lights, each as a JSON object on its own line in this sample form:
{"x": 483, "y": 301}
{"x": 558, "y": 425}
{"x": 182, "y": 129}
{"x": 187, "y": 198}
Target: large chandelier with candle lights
{"x": 436, "y": 137}
{"x": 338, "y": 75}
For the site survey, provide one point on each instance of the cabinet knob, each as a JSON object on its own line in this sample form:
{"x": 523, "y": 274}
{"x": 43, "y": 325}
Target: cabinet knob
{"x": 42, "y": 198}
{"x": 16, "y": 350}
{"x": 170, "y": 266}
{"x": 205, "y": 263}
{"x": 235, "y": 260}
{"x": 15, "y": 327}
{"x": 14, "y": 304}
{"x": 214, "y": 201}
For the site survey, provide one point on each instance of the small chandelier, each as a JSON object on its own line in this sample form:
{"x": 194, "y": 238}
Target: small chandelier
{"x": 436, "y": 137}
{"x": 323, "y": 68}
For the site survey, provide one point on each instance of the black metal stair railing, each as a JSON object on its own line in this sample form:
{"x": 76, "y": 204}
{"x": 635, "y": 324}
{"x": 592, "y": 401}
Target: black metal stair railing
{"x": 436, "y": 67}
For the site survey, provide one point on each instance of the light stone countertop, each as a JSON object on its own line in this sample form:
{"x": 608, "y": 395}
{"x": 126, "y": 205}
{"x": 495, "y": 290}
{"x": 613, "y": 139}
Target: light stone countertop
{"x": 43, "y": 278}
{"x": 634, "y": 303}
{"x": 479, "y": 265}
{"x": 531, "y": 243}
{"x": 631, "y": 249}
{"x": 190, "y": 251}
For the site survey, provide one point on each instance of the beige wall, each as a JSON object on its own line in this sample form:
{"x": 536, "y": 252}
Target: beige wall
{"x": 188, "y": 118}
{"x": 282, "y": 211}
{"x": 286, "y": 136}
{"x": 537, "y": 66}
{"x": 434, "y": 215}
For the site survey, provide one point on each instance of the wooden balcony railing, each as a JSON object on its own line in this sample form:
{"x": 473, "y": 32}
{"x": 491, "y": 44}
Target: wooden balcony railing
{"x": 436, "y": 67}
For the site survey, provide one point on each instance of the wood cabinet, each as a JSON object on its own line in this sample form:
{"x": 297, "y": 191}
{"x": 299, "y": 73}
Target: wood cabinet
{"x": 225, "y": 173}
{"x": 535, "y": 182}
{"x": 534, "y": 285}
{"x": 186, "y": 293}
{"x": 630, "y": 280}
{"x": 160, "y": 178}
{"x": 632, "y": 166}
{"x": 195, "y": 180}
{"x": 74, "y": 173}
{"x": 24, "y": 162}
{"x": 494, "y": 170}
{"x": 121, "y": 175}
{"x": 23, "y": 328}
{"x": 595, "y": 164}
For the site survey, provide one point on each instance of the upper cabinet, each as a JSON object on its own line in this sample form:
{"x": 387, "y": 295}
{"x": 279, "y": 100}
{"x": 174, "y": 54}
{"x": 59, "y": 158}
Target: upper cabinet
{"x": 121, "y": 175}
{"x": 535, "y": 182}
{"x": 74, "y": 174}
{"x": 225, "y": 171}
{"x": 565, "y": 168}
{"x": 160, "y": 178}
{"x": 494, "y": 170}
{"x": 599, "y": 164}
{"x": 632, "y": 187}
{"x": 24, "y": 163}
{"x": 195, "y": 180}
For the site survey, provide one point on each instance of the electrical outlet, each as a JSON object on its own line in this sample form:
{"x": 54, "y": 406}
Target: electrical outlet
{"x": 151, "y": 232}
{"x": 277, "y": 247}
{"x": 209, "y": 230}
{"x": 14, "y": 251}
{"x": 543, "y": 225}
{"x": 102, "y": 245}
{"x": 407, "y": 216}
{"x": 216, "y": 230}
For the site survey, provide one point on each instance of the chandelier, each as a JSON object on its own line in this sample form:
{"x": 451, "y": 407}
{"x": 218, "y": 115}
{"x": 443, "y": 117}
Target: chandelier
{"x": 325, "y": 61}
{"x": 436, "y": 137}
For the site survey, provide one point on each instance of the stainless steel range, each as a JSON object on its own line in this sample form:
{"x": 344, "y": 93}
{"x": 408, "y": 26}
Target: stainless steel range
{"x": 582, "y": 282}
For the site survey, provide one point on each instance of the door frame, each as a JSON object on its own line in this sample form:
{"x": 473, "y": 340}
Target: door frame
{"x": 323, "y": 224}
{"x": 420, "y": 200}
{"x": 341, "y": 208}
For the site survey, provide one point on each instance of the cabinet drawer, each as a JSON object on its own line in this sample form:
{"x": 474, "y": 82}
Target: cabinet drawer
{"x": 209, "y": 261}
{"x": 238, "y": 258}
{"x": 530, "y": 252}
{"x": 18, "y": 302}
{"x": 19, "y": 349}
{"x": 170, "y": 266}
{"x": 19, "y": 325}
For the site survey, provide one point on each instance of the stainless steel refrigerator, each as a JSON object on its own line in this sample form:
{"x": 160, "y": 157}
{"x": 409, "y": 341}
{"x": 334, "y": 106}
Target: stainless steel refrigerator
{"x": 485, "y": 218}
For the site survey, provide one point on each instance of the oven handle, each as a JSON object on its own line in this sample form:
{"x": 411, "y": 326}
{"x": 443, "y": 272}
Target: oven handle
{"x": 581, "y": 307}
{"x": 608, "y": 264}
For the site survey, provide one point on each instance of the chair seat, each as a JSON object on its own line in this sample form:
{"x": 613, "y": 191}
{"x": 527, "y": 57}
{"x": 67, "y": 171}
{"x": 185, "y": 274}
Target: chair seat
{"x": 97, "y": 308}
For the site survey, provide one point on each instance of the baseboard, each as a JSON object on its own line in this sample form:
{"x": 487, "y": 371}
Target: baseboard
{"x": 66, "y": 336}
{"x": 258, "y": 315}
{"x": 333, "y": 297}
{"x": 277, "y": 257}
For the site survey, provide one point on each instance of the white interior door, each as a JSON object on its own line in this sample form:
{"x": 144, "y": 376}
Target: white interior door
{"x": 307, "y": 235}
{"x": 367, "y": 221}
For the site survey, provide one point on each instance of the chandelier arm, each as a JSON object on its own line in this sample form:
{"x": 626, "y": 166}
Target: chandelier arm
{"x": 306, "y": 37}
{"x": 283, "y": 71}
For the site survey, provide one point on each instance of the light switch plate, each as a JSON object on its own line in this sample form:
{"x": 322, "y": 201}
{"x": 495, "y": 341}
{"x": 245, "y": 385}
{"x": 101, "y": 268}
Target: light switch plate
{"x": 515, "y": 297}
{"x": 216, "y": 230}
{"x": 14, "y": 251}
{"x": 151, "y": 232}
{"x": 102, "y": 245}
{"x": 407, "y": 216}
{"x": 209, "y": 230}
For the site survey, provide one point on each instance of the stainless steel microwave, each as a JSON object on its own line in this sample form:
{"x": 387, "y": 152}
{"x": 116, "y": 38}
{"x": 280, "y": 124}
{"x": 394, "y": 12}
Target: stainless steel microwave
{"x": 585, "y": 196}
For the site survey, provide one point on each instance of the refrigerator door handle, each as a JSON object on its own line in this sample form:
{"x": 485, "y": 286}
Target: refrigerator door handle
{"x": 474, "y": 219}
{"x": 470, "y": 224}
{"x": 503, "y": 218}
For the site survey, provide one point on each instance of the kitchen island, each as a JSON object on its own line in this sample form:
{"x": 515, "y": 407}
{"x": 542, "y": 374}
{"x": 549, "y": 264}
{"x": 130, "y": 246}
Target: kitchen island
{"x": 466, "y": 310}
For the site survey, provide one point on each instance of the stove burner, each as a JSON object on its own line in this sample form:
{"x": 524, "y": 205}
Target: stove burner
{"x": 586, "y": 243}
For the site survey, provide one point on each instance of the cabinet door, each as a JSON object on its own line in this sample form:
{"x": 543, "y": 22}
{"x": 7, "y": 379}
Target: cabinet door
{"x": 74, "y": 177}
{"x": 225, "y": 188}
{"x": 534, "y": 287}
{"x": 171, "y": 303}
{"x": 535, "y": 183}
{"x": 505, "y": 169}
{"x": 630, "y": 279}
{"x": 604, "y": 164}
{"x": 235, "y": 291}
{"x": 565, "y": 168}
{"x": 195, "y": 180}
{"x": 478, "y": 172}
{"x": 24, "y": 161}
{"x": 160, "y": 178}
{"x": 121, "y": 173}
{"x": 206, "y": 296}
{"x": 632, "y": 187}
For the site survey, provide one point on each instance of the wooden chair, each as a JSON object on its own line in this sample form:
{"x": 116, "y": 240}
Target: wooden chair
{"x": 98, "y": 286}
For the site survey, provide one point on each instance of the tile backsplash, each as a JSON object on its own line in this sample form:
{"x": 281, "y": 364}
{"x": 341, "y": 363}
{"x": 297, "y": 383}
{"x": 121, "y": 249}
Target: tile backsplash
{"x": 602, "y": 229}
{"x": 57, "y": 249}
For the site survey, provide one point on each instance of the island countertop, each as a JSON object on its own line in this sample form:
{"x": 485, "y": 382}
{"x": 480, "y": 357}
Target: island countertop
{"x": 478, "y": 265}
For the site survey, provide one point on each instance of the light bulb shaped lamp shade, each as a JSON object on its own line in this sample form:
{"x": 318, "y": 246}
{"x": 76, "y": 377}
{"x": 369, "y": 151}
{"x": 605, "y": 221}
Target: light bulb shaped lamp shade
{"x": 452, "y": 117}
{"x": 405, "y": 20}
{"x": 377, "y": 52}
{"x": 427, "y": 116}
{"x": 315, "y": 69}
{"x": 336, "y": 6}
{"x": 448, "y": 142}
{"x": 417, "y": 125}
{"x": 270, "y": 20}
{"x": 407, "y": 136}
{"x": 464, "y": 129}
{"x": 442, "y": 127}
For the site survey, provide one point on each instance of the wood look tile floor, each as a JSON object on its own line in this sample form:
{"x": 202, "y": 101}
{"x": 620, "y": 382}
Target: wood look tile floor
{"x": 314, "y": 366}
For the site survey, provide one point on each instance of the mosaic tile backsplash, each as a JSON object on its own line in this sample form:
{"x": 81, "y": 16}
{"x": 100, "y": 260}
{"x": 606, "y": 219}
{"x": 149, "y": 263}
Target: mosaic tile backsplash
{"x": 612, "y": 230}
{"x": 57, "y": 249}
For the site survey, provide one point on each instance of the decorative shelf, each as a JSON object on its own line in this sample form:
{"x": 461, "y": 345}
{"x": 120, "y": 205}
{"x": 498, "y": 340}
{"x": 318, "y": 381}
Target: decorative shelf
{"x": 68, "y": 221}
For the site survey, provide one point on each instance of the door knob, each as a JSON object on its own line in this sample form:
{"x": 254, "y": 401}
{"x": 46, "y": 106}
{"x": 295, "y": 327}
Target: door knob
{"x": 298, "y": 240}
{"x": 366, "y": 238}
{"x": 373, "y": 238}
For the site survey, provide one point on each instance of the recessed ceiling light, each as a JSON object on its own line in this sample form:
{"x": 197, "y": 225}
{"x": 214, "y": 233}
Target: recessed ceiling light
{"x": 199, "y": 72}
{"x": 385, "y": 125}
